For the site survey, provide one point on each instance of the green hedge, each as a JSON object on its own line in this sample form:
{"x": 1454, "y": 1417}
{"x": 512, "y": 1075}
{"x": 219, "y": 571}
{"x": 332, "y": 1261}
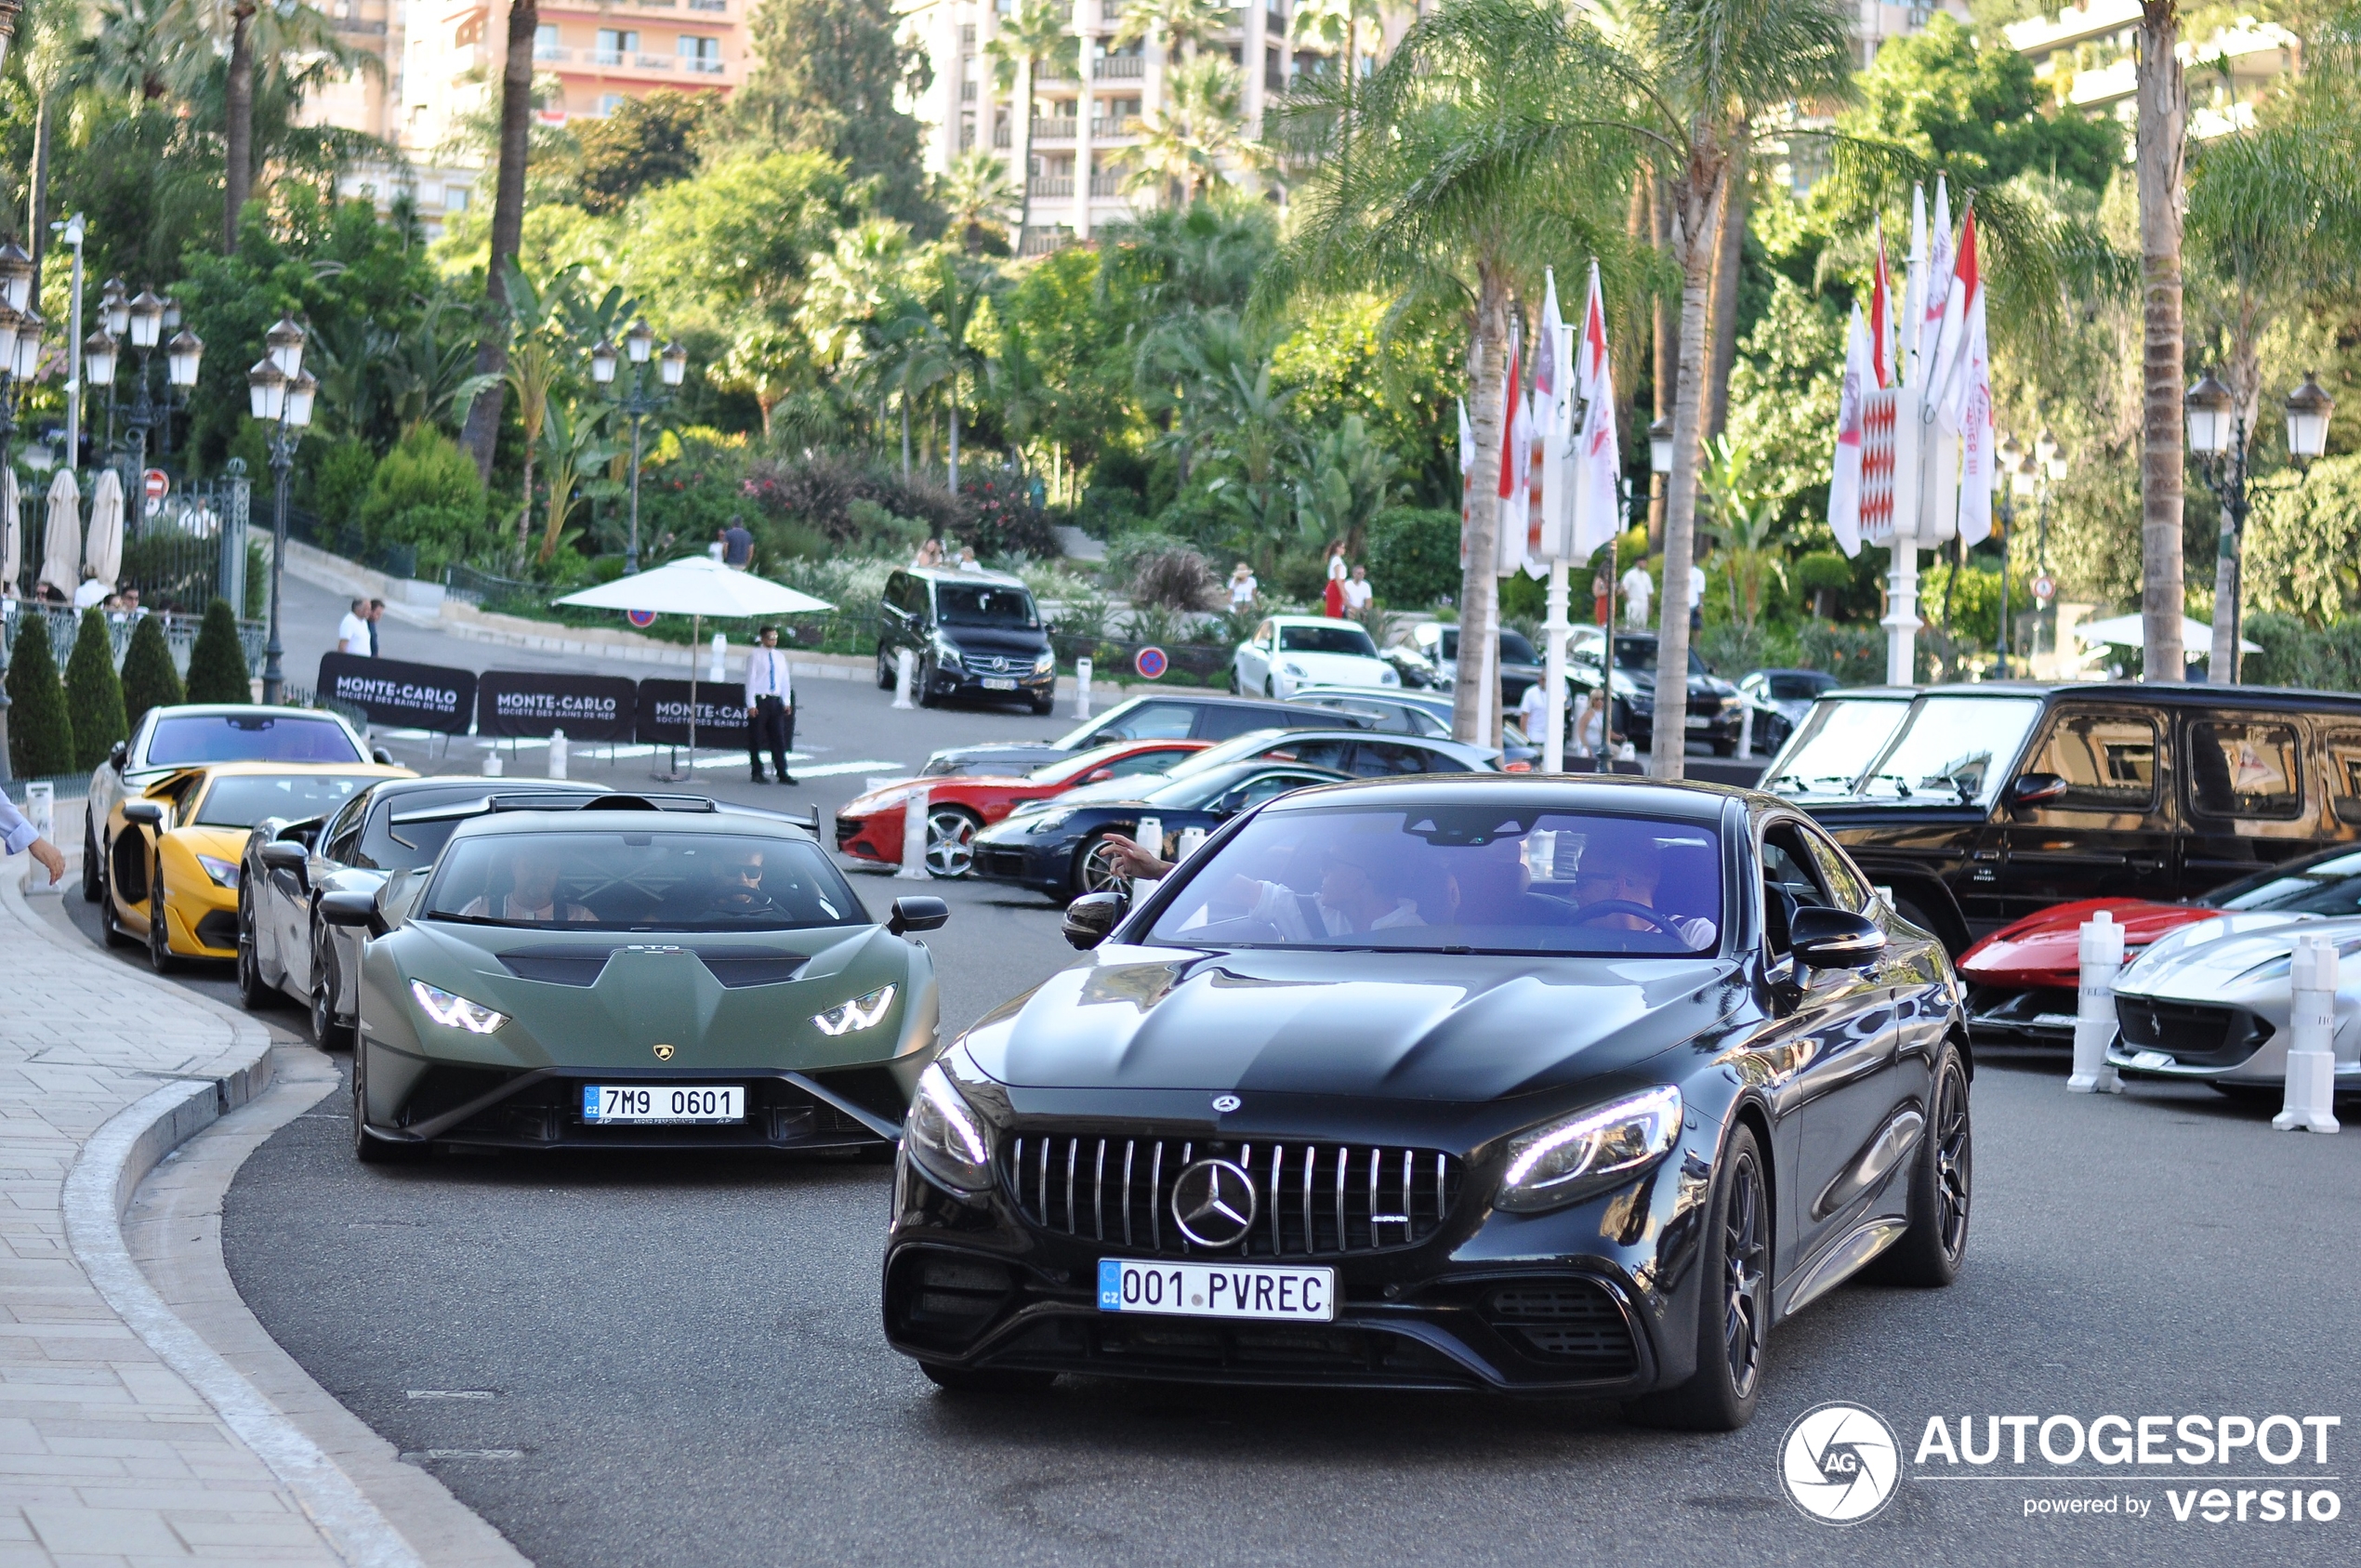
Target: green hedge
{"x": 94, "y": 695}
{"x": 218, "y": 664}
{"x": 40, "y": 733}
{"x": 2321, "y": 658}
{"x": 149, "y": 679}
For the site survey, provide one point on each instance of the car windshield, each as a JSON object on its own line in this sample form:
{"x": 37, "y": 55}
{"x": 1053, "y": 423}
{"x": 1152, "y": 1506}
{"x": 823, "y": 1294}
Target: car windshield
{"x": 1954, "y": 749}
{"x": 2328, "y": 887}
{"x": 1201, "y": 789}
{"x": 961, "y": 605}
{"x": 1640, "y": 653}
{"x": 1838, "y": 742}
{"x": 242, "y": 800}
{"x": 1791, "y": 688}
{"x": 1326, "y": 639}
{"x": 184, "y": 740}
{"x": 641, "y": 881}
{"x": 1507, "y": 877}
{"x": 1514, "y": 647}
{"x": 1138, "y": 719}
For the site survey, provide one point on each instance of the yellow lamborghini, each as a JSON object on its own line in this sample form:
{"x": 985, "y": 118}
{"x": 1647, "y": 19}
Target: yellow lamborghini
{"x": 173, "y": 850}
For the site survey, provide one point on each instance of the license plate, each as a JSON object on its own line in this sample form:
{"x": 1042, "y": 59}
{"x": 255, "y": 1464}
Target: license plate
{"x": 662, "y": 1103}
{"x": 2054, "y": 1020}
{"x": 1218, "y": 1290}
{"x": 1699, "y": 720}
{"x": 998, "y": 683}
{"x": 2152, "y": 1060}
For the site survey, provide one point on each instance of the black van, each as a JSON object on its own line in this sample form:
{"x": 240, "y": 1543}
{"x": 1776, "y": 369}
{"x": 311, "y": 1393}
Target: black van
{"x": 1979, "y": 804}
{"x": 975, "y": 633}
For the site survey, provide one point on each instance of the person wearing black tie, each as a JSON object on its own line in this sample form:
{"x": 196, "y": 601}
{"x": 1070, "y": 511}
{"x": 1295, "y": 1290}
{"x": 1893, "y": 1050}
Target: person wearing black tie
{"x": 770, "y": 705}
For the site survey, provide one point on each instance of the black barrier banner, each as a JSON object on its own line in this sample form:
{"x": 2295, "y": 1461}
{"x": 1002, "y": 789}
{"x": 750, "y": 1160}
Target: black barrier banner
{"x": 663, "y": 714}
{"x": 404, "y": 696}
{"x": 587, "y": 707}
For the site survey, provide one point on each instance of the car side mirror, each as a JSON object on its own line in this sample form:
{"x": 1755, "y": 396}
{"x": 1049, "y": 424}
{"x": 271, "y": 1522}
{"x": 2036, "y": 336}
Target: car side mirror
{"x": 2032, "y": 789}
{"x": 1091, "y": 917}
{"x": 120, "y": 754}
{"x": 284, "y": 854}
{"x": 147, "y": 812}
{"x": 353, "y": 909}
{"x": 917, "y": 912}
{"x": 381, "y": 757}
{"x": 1834, "y": 939}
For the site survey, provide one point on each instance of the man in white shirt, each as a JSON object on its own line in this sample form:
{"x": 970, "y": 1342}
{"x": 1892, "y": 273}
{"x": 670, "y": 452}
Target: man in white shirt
{"x": 90, "y": 591}
{"x": 1358, "y": 593}
{"x": 353, "y": 632}
{"x": 1637, "y": 588}
{"x": 1533, "y": 714}
{"x": 1696, "y": 598}
{"x": 770, "y": 705}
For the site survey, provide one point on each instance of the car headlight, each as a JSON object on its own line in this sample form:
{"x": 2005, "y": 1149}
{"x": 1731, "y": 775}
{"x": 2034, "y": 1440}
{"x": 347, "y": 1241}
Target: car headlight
{"x": 1044, "y": 663}
{"x": 1588, "y": 1152}
{"x": 861, "y": 1012}
{"x": 1046, "y": 822}
{"x": 224, "y": 873}
{"x": 454, "y": 1011}
{"x": 946, "y": 652}
{"x": 1292, "y": 670}
{"x": 945, "y": 1135}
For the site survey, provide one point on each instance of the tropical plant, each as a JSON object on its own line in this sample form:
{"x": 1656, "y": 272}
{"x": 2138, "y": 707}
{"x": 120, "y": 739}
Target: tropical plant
{"x": 218, "y": 662}
{"x": 94, "y": 694}
{"x": 1335, "y": 25}
{"x": 977, "y": 194}
{"x": 1177, "y": 26}
{"x": 149, "y": 679}
{"x": 540, "y": 357}
{"x": 575, "y": 442}
{"x": 1197, "y": 131}
{"x": 1743, "y": 512}
{"x": 1030, "y": 40}
{"x": 1347, "y": 479}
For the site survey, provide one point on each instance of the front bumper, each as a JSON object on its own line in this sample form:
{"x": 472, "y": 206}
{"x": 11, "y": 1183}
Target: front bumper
{"x": 1594, "y": 1300}
{"x": 967, "y": 682}
{"x": 201, "y": 922}
{"x": 1045, "y": 870}
{"x": 876, "y": 836}
{"x": 2039, "y": 1015}
{"x": 2207, "y": 1042}
{"x": 1722, "y": 728}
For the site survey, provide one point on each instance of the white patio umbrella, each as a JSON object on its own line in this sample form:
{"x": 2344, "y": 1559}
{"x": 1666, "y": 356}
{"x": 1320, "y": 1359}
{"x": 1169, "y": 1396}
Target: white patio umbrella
{"x": 102, "y": 552}
{"x": 11, "y": 528}
{"x": 2130, "y": 631}
{"x": 697, "y": 587}
{"x": 61, "y": 540}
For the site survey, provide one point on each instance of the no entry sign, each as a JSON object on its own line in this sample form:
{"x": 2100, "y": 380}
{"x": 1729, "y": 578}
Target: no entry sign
{"x": 1151, "y": 664}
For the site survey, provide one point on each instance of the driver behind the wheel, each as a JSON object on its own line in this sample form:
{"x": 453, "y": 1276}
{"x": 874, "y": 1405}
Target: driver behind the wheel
{"x": 534, "y": 869}
{"x": 1627, "y": 868}
{"x": 737, "y": 883}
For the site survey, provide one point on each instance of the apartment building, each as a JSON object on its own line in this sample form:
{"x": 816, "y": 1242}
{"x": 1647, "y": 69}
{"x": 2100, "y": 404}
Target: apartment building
{"x": 1881, "y": 21}
{"x": 2085, "y": 53}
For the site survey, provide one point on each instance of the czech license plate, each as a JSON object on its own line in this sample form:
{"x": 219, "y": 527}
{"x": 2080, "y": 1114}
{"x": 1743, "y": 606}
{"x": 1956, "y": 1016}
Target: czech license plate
{"x": 998, "y": 683}
{"x": 662, "y": 1102}
{"x": 2152, "y": 1059}
{"x": 1218, "y": 1290}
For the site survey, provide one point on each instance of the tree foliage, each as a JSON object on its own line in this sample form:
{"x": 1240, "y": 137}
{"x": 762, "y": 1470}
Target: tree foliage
{"x": 830, "y": 77}
{"x": 218, "y": 662}
{"x": 40, "y": 729}
{"x": 94, "y": 694}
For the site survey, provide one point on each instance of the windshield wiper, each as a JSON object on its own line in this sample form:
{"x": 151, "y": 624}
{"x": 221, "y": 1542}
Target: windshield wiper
{"x": 1901, "y": 786}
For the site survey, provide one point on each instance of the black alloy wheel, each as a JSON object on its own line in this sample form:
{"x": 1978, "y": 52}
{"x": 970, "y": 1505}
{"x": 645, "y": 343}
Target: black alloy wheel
{"x": 254, "y": 993}
{"x": 1942, "y": 1187}
{"x": 327, "y": 1032}
{"x": 161, "y": 957}
{"x": 1733, "y": 1304}
{"x": 94, "y": 864}
{"x": 1046, "y": 704}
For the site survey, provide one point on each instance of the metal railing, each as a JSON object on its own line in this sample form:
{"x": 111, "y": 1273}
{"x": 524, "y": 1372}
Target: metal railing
{"x": 65, "y": 626}
{"x": 701, "y": 65}
{"x": 1052, "y": 185}
{"x": 1043, "y": 240}
{"x": 1054, "y": 130}
{"x": 1105, "y": 127}
{"x": 1106, "y": 182}
{"x": 1107, "y": 68}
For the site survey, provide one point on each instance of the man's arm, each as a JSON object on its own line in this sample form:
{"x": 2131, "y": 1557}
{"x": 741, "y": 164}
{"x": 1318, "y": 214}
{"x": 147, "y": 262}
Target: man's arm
{"x": 17, "y": 836}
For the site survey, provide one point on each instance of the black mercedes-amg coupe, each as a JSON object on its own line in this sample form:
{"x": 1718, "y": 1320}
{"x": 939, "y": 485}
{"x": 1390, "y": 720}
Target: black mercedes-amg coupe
{"x": 1536, "y": 1085}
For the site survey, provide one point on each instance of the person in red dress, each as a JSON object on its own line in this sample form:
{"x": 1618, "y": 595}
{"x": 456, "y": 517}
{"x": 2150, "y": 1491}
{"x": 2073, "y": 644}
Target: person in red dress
{"x": 1336, "y": 574}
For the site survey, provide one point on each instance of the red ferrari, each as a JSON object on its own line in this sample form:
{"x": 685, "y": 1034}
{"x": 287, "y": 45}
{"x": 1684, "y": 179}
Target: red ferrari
{"x": 2023, "y": 978}
{"x": 870, "y": 827}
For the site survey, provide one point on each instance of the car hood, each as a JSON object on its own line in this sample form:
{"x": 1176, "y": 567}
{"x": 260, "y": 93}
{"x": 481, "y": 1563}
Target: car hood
{"x": 1131, "y": 786}
{"x": 1006, "y": 757}
{"x": 1336, "y": 669}
{"x": 2201, "y": 961}
{"x": 1386, "y": 1025}
{"x": 222, "y": 843}
{"x": 2046, "y": 949}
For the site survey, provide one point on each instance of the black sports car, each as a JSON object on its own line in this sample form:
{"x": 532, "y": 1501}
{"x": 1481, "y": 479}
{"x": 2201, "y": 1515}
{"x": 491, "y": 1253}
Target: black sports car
{"x": 1061, "y": 851}
{"x": 1550, "y": 1086}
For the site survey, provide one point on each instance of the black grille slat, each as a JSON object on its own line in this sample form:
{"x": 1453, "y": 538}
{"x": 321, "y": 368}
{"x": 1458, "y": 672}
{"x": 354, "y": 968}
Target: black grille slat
{"x": 2192, "y": 1034}
{"x": 1315, "y": 1200}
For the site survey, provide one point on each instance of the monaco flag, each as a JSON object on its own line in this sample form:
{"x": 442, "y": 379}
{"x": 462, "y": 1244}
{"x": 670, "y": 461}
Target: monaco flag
{"x": 1844, "y": 488}
{"x": 1969, "y": 403}
{"x": 1553, "y": 396}
{"x": 1598, "y": 453}
{"x": 1882, "y": 320}
{"x": 1516, "y": 437}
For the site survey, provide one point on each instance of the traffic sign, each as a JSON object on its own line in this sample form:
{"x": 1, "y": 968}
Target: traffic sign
{"x": 643, "y": 619}
{"x": 158, "y": 483}
{"x": 1151, "y": 664}
{"x": 2045, "y": 587}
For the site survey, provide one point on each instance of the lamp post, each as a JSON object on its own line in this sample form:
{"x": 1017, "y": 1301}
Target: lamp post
{"x": 2218, "y": 440}
{"x": 281, "y": 391}
{"x": 20, "y": 357}
{"x": 2011, "y": 467}
{"x": 2308, "y": 411}
{"x": 638, "y": 400}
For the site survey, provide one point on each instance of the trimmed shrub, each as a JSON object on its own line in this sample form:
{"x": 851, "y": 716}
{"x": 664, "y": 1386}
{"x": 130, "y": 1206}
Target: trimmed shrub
{"x": 218, "y": 664}
{"x": 40, "y": 731}
{"x": 94, "y": 696}
{"x": 1855, "y": 655}
{"x": 426, "y": 494}
{"x": 2321, "y": 658}
{"x": 341, "y": 478}
{"x": 1413, "y": 555}
{"x": 149, "y": 679}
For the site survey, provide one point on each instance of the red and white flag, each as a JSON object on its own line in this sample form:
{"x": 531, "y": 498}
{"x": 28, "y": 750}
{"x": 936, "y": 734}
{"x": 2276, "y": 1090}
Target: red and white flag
{"x": 1844, "y": 488}
{"x": 1882, "y": 319}
{"x": 1516, "y": 437}
{"x": 1970, "y": 405}
{"x": 1467, "y": 481}
{"x": 1552, "y": 409}
{"x": 1597, "y": 465}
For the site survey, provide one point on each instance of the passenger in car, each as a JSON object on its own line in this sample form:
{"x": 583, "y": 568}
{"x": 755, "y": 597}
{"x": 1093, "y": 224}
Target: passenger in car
{"x": 534, "y": 869}
{"x": 1628, "y": 868}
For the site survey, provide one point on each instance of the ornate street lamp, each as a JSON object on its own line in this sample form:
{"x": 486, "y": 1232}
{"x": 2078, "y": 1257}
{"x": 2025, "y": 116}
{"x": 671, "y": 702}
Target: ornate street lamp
{"x": 9, "y": 9}
{"x": 15, "y": 276}
{"x": 639, "y": 400}
{"x": 2012, "y": 461}
{"x": 20, "y": 357}
{"x": 2308, "y": 411}
{"x": 2218, "y": 440}
{"x": 182, "y": 357}
{"x": 280, "y": 390}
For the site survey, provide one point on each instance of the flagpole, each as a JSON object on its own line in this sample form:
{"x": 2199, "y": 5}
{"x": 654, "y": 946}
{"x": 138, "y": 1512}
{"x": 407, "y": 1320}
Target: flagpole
{"x": 1554, "y": 745}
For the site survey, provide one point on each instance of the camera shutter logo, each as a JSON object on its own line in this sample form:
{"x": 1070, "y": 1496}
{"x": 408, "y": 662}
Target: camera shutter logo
{"x": 1839, "y": 1463}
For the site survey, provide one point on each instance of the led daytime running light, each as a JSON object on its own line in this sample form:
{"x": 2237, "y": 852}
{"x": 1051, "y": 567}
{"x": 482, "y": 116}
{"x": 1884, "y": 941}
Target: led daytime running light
{"x": 861, "y": 1012}
{"x": 454, "y": 1011}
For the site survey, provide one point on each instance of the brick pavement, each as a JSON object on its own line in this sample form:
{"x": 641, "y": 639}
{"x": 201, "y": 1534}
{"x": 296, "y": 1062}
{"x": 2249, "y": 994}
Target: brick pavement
{"x": 108, "y": 1453}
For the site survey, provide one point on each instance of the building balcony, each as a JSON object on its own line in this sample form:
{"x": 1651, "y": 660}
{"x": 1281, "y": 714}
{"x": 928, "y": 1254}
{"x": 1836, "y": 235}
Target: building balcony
{"x": 1114, "y": 129}
{"x": 708, "y": 4}
{"x": 1110, "y": 10}
{"x": 1001, "y": 137}
{"x": 1118, "y": 68}
{"x": 1053, "y": 130}
{"x": 700, "y": 65}
{"x": 1043, "y": 240}
{"x": 1106, "y": 182}
{"x": 1052, "y": 185}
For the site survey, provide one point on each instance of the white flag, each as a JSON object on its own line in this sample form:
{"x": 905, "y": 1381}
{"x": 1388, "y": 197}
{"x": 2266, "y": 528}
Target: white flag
{"x": 1467, "y": 481}
{"x": 1598, "y": 509}
{"x": 1976, "y": 454}
{"x": 1553, "y": 399}
{"x": 1844, "y": 486}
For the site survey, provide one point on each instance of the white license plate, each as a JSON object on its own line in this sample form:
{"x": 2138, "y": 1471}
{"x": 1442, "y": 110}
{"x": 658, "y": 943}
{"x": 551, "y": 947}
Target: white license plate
{"x": 1699, "y": 720}
{"x": 998, "y": 683}
{"x": 1218, "y": 1290}
{"x": 2054, "y": 1020}
{"x": 2152, "y": 1059}
{"x": 662, "y": 1103}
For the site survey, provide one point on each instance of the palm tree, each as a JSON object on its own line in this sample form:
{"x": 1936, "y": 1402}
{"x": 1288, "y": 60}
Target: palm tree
{"x": 540, "y": 357}
{"x": 507, "y": 232}
{"x": 1460, "y": 171}
{"x": 1198, "y": 129}
{"x": 1176, "y": 25}
{"x": 1037, "y": 34}
{"x": 2160, "y": 140}
{"x": 1335, "y": 25}
{"x": 976, "y": 194}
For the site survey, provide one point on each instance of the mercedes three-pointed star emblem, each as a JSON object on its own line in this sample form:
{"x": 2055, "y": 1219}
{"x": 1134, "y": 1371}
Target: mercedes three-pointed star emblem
{"x": 1214, "y": 1204}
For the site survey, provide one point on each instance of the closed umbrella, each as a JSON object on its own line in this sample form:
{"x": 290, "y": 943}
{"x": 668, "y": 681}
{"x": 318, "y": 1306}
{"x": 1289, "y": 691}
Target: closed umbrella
{"x": 697, "y": 587}
{"x": 61, "y": 541}
{"x": 11, "y": 529}
{"x": 104, "y": 552}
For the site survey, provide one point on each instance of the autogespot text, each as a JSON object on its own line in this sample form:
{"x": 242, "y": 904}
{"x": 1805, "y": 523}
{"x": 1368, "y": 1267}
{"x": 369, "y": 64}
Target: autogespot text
{"x": 2211, "y": 1470}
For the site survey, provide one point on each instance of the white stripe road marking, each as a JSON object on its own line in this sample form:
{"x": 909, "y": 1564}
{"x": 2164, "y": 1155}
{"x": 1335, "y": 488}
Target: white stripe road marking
{"x": 447, "y": 1393}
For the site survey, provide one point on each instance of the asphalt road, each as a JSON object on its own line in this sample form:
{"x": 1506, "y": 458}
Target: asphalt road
{"x": 677, "y": 1360}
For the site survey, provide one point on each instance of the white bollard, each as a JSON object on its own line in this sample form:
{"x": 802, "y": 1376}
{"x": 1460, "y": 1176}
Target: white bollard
{"x": 2312, "y": 1021}
{"x": 41, "y": 811}
{"x": 491, "y": 763}
{"x": 1192, "y": 840}
{"x": 1150, "y": 835}
{"x": 2094, "y": 1021}
{"x": 718, "y": 670}
{"x": 1082, "y": 687}
{"x": 1745, "y": 730}
{"x": 914, "y": 832}
{"x": 905, "y": 677}
{"x": 557, "y": 754}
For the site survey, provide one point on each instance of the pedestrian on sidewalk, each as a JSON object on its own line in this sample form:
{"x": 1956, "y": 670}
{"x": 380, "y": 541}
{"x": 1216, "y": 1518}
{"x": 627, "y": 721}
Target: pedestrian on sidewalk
{"x": 738, "y": 546}
{"x": 376, "y": 613}
{"x": 1333, "y": 596}
{"x": 1637, "y": 588}
{"x": 1533, "y": 714}
{"x": 17, "y": 835}
{"x": 1358, "y": 594}
{"x": 353, "y": 632}
{"x": 1243, "y": 588}
{"x": 770, "y": 705}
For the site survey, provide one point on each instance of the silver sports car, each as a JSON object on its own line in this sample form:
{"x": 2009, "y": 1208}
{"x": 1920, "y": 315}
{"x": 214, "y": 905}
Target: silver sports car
{"x": 2211, "y": 1002}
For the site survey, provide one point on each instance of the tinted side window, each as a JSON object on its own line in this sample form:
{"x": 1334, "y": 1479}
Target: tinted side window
{"x": 2108, "y": 760}
{"x": 1845, "y": 885}
{"x": 1150, "y": 721}
{"x": 1377, "y": 759}
{"x": 340, "y": 838}
{"x": 1314, "y": 753}
{"x": 2343, "y": 749}
{"x": 1216, "y": 722}
{"x": 897, "y": 591}
{"x": 1790, "y": 881}
{"x": 2244, "y": 769}
{"x": 1144, "y": 762}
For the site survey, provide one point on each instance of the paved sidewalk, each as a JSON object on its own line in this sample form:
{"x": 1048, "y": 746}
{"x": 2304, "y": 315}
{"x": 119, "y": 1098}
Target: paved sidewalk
{"x": 109, "y": 1453}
